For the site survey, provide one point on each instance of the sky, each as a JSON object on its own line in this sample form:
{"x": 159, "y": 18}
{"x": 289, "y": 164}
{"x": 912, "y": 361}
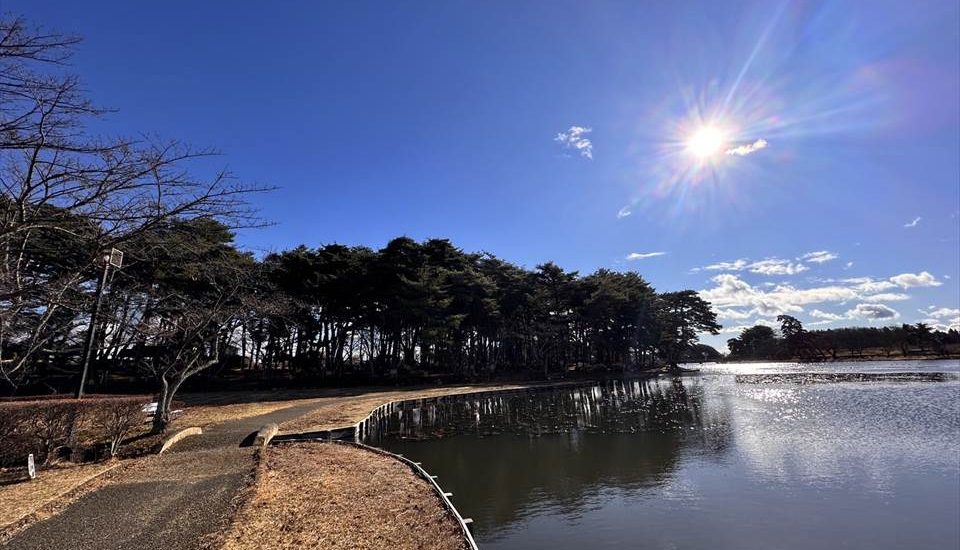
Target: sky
{"x": 779, "y": 157}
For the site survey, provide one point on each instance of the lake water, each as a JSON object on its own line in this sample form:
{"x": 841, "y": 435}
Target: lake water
{"x": 701, "y": 461}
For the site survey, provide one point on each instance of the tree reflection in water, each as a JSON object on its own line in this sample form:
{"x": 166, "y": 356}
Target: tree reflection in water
{"x": 509, "y": 454}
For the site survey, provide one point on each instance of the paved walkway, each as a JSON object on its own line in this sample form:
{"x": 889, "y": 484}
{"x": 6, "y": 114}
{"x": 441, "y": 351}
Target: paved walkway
{"x": 174, "y": 501}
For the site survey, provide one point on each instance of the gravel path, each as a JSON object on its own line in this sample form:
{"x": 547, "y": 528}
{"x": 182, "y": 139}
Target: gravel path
{"x": 174, "y": 501}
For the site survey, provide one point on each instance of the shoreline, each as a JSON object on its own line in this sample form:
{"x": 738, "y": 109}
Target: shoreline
{"x": 864, "y": 359}
{"x": 332, "y": 411}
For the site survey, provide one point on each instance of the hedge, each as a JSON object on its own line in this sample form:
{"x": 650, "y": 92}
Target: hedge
{"x": 58, "y": 428}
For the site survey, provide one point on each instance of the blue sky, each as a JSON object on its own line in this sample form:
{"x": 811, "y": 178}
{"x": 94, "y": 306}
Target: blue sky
{"x": 575, "y": 132}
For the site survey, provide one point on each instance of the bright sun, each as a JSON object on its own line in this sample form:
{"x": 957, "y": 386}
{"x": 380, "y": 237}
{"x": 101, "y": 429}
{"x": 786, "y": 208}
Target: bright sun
{"x": 706, "y": 142}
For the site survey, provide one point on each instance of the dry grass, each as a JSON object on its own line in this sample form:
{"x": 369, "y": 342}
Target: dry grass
{"x": 324, "y": 495}
{"x": 21, "y": 498}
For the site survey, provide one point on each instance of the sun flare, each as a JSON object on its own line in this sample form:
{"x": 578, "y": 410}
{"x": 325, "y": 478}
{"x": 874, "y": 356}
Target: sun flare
{"x": 706, "y": 142}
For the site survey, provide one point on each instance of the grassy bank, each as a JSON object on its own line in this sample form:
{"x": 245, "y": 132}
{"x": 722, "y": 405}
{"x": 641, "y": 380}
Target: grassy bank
{"x": 323, "y": 495}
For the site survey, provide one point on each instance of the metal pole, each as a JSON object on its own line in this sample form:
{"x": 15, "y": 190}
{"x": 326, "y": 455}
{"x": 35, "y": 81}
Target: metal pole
{"x": 92, "y": 328}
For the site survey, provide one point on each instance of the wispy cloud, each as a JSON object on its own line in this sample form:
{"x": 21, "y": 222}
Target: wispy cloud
{"x": 868, "y": 284}
{"x": 887, "y": 297}
{"x": 747, "y": 148}
{"x": 826, "y": 316}
{"x": 624, "y": 212}
{"x": 736, "y": 265}
{"x": 777, "y": 267}
{"x": 643, "y": 255}
{"x": 734, "y": 314}
{"x": 575, "y": 138}
{"x": 914, "y": 222}
{"x": 820, "y": 256}
{"x": 770, "y": 266}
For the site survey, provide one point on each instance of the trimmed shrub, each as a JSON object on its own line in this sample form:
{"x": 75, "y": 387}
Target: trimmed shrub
{"x": 118, "y": 418}
{"x": 51, "y": 428}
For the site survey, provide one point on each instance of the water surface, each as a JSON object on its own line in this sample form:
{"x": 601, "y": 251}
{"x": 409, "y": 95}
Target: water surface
{"x": 700, "y": 462}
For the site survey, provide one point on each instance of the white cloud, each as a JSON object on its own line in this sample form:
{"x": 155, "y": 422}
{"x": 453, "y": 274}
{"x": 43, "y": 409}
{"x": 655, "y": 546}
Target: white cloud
{"x": 941, "y": 318}
{"x": 943, "y": 325}
{"x": 747, "y": 148}
{"x": 731, "y": 291}
{"x": 886, "y": 297}
{"x": 908, "y": 280}
{"x": 941, "y": 312}
{"x": 777, "y": 267}
{"x": 770, "y": 266}
{"x": 828, "y": 317}
{"x": 737, "y": 300}
{"x": 575, "y": 138}
{"x": 848, "y": 266}
{"x": 734, "y": 314}
{"x": 643, "y": 255}
{"x": 914, "y": 222}
{"x": 873, "y": 312}
{"x": 623, "y": 212}
{"x": 736, "y": 265}
{"x": 820, "y": 256}
{"x": 868, "y": 285}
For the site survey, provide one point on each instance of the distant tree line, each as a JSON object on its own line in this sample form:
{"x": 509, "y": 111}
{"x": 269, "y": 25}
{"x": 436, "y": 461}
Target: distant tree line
{"x": 185, "y": 300}
{"x": 795, "y": 342}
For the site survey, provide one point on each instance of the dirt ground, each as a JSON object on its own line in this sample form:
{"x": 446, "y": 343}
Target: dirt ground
{"x": 325, "y": 495}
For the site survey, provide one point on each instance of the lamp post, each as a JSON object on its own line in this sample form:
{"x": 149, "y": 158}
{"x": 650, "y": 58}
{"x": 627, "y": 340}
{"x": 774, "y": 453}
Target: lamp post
{"x": 112, "y": 258}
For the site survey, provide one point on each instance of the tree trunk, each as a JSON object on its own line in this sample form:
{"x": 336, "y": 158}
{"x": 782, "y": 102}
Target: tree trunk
{"x": 161, "y": 417}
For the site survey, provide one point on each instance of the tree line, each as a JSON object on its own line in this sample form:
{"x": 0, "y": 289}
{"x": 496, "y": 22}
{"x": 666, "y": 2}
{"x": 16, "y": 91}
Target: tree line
{"x": 795, "y": 342}
{"x": 184, "y": 299}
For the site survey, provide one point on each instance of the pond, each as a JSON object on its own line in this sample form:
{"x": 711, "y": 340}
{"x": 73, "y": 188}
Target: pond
{"x": 702, "y": 461}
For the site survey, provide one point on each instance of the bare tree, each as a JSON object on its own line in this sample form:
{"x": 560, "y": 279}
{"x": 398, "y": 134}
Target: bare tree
{"x": 62, "y": 190}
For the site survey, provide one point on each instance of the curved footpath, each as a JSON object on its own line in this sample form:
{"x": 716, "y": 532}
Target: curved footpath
{"x": 184, "y": 499}
{"x": 175, "y": 501}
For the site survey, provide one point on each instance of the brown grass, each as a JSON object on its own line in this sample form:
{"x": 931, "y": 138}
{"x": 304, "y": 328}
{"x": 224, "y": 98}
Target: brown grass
{"x": 324, "y": 495}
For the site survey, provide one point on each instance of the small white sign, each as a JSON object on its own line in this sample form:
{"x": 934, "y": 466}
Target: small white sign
{"x": 31, "y": 466}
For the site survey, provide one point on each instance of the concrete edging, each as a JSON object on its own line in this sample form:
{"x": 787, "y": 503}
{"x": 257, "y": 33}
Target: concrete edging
{"x": 265, "y": 435}
{"x": 175, "y": 438}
